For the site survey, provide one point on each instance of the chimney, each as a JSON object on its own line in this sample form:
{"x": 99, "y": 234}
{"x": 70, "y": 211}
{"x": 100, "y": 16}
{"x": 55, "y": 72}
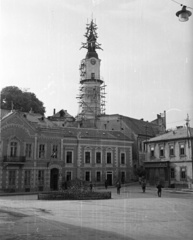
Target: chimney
{"x": 54, "y": 111}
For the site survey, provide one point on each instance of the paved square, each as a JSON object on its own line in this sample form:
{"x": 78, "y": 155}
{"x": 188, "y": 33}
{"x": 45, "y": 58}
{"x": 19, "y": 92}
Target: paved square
{"x": 130, "y": 215}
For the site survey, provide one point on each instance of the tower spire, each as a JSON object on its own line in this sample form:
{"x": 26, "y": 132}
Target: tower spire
{"x": 91, "y": 40}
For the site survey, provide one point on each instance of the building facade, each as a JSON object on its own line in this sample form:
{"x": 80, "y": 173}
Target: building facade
{"x": 169, "y": 158}
{"x": 38, "y": 155}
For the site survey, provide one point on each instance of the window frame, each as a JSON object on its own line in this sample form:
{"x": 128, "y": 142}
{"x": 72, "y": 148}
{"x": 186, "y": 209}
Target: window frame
{"x": 123, "y": 162}
{"x": 100, "y": 176}
{"x": 41, "y": 177}
{"x": 66, "y": 156}
{"x": 180, "y": 150}
{"x": 172, "y": 173}
{"x": 89, "y": 174}
{"x": 161, "y": 151}
{"x": 12, "y": 177}
{"x": 85, "y": 157}
{"x": 171, "y": 150}
{"x": 107, "y": 153}
{"x": 68, "y": 173}
{"x": 55, "y": 150}
{"x": 183, "y": 178}
{"x": 13, "y": 151}
{"x": 27, "y": 151}
{"x": 152, "y": 151}
{"x": 96, "y": 160}
{"x": 42, "y": 153}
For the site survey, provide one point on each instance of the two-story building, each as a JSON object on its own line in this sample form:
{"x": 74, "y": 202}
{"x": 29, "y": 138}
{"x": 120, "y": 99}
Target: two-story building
{"x": 37, "y": 154}
{"x": 169, "y": 158}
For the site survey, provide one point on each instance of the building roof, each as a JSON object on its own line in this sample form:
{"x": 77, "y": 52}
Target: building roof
{"x": 51, "y": 129}
{"x": 139, "y": 127}
{"x": 180, "y": 133}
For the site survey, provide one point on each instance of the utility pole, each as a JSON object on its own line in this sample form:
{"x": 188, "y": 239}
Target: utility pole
{"x": 190, "y": 142}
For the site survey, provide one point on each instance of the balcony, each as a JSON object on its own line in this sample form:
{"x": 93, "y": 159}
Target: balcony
{"x": 14, "y": 160}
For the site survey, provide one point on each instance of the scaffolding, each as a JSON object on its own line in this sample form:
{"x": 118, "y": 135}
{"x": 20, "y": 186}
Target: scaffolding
{"x": 91, "y": 99}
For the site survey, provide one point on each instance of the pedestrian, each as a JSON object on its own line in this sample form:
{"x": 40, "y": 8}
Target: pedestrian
{"x": 91, "y": 186}
{"x": 159, "y": 189}
{"x": 106, "y": 184}
{"x": 143, "y": 185}
{"x": 118, "y": 187}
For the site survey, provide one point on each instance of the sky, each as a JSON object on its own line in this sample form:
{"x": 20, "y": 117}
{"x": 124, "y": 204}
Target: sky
{"x": 146, "y": 62}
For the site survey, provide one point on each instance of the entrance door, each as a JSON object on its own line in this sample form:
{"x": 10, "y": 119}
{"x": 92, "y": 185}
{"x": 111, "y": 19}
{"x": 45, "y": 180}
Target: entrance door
{"x": 54, "y": 175}
{"x": 109, "y": 178}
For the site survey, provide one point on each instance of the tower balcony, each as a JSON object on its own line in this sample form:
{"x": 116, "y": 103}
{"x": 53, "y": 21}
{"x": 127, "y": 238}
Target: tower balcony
{"x": 92, "y": 80}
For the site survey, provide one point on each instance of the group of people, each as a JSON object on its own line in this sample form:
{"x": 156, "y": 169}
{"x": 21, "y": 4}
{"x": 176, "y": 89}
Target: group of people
{"x": 159, "y": 187}
{"x": 143, "y": 186}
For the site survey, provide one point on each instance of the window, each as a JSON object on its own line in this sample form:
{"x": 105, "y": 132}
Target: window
{"x": 171, "y": 150}
{"x": 87, "y": 176}
{"x": 108, "y": 157}
{"x": 161, "y": 153}
{"x": 182, "y": 149}
{"x": 13, "y": 149}
{"x": 27, "y": 177}
{"x": 98, "y": 157}
{"x": 12, "y": 177}
{"x": 122, "y": 158}
{"x": 172, "y": 173}
{"x": 98, "y": 176}
{"x": 87, "y": 157}
{"x": 68, "y": 176}
{"x": 54, "y": 151}
{"x": 28, "y": 150}
{"x": 183, "y": 173}
{"x": 41, "y": 177}
{"x": 69, "y": 157}
{"x": 152, "y": 152}
{"x": 41, "y": 150}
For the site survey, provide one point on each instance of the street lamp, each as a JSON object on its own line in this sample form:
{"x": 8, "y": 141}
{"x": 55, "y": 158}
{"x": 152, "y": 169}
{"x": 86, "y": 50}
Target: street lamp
{"x": 183, "y": 14}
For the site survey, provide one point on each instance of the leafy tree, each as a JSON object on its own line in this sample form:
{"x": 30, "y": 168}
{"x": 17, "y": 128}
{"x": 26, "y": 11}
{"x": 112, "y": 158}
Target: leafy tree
{"x": 140, "y": 171}
{"x": 14, "y": 98}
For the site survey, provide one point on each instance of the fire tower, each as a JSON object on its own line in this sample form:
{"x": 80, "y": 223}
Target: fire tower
{"x": 92, "y": 88}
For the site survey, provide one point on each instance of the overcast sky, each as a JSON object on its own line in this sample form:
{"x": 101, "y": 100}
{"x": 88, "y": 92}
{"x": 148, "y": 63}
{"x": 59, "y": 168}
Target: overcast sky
{"x": 147, "y": 62}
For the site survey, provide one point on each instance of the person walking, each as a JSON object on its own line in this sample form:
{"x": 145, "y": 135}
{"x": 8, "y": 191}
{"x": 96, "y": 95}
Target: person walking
{"x": 91, "y": 186}
{"x": 159, "y": 189}
{"x": 118, "y": 187}
{"x": 106, "y": 184}
{"x": 143, "y": 185}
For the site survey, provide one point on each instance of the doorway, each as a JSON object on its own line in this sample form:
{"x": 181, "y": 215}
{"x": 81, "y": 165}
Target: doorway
{"x": 54, "y": 176}
{"x": 110, "y": 178}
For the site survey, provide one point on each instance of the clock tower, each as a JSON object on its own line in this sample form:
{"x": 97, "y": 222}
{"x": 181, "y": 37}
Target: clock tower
{"x": 92, "y": 88}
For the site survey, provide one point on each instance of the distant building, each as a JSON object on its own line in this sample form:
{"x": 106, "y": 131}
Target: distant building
{"x": 169, "y": 158}
{"x": 137, "y": 130}
{"x": 61, "y": 118}
{"x": 38, "y": 155}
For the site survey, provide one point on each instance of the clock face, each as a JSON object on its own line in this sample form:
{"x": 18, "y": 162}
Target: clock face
{"x": 93, "y": 61}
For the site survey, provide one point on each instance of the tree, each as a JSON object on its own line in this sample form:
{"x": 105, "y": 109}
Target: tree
{"x": 14, "y": 98}
{"x": 140, "y": 171}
